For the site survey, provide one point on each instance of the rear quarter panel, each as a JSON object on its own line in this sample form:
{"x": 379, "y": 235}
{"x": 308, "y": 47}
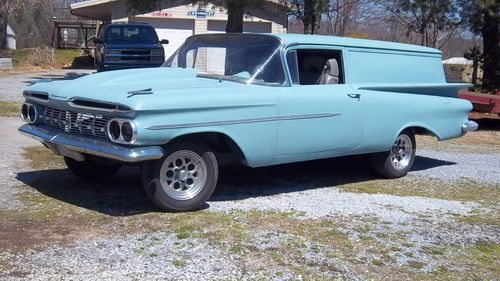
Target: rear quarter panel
{"x": 386, "y": 114}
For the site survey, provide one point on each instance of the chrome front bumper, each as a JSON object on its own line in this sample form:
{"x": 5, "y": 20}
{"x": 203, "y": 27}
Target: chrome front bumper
{"x": 77, "y": 146}
{"x": 469, "y": 126}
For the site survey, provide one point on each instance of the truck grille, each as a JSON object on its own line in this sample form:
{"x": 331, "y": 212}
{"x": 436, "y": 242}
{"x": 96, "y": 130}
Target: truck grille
{"x": 77, "y": 123}
{"x": 136, "y": 52}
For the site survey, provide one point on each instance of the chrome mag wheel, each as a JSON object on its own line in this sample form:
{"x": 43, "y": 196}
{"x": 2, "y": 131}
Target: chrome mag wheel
{"x": 183, "y": 175}
{"x": 401, "y": 152}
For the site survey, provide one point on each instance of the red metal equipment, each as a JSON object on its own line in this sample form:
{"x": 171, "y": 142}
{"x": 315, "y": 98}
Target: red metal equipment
{"x": 482, "y": 102}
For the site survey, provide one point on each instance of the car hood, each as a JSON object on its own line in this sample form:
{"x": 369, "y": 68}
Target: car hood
{"x": 141, "y": 89}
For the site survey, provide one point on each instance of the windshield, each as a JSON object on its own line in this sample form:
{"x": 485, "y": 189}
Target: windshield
{"x": 137, "y": 34}
{"x": 242, "y": 58}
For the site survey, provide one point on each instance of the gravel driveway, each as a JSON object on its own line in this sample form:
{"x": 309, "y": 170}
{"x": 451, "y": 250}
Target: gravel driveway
{"x": 12, "y": 86}
{"x": 82, "y": 244}
{"x": 320, "y": 220}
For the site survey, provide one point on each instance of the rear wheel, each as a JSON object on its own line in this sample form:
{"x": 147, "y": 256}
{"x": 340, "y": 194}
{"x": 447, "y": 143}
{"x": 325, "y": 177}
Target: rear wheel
{"x": 397, "y": 162}
{"x": 91, "y": 170}
{"x": 182, "y": 180}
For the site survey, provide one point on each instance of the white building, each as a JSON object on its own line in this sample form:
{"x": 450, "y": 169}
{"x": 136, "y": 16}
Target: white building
{"x": 11, "y": 38}
{"x": 176, "y": 20}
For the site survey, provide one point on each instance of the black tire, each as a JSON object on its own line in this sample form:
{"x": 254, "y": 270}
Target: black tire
{"x": 383, "y": 164}
{"x": 100, "y": 65}
{"x": 91, "y": 170}
{"x": 202, "y": 189}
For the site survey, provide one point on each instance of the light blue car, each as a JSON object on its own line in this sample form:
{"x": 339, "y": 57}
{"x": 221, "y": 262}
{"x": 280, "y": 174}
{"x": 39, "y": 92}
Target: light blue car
{"x": 252, "y": 98}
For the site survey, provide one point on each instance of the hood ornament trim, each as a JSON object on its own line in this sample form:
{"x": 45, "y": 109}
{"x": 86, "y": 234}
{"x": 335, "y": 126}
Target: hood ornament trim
{"x": 140, "y": 92}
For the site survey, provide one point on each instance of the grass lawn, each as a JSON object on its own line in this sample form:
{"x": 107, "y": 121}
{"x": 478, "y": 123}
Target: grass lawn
{"x": 63, "y": 57}
{"x": 9, "y": 109}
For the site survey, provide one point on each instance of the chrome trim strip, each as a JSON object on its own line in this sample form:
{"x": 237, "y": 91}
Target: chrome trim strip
{"x": 28, "y": 95}
{"x": 470, "y": 126}
{"x": 116, "y": 106}
{"x": 92, "y": 146}
{"x": 120, "y": 122}
{"x": 243, "y": 121}
{"x": 308, "y": 116}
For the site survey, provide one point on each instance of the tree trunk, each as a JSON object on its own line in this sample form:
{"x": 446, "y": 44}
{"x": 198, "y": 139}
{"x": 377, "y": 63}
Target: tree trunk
{"x": 308, "y": 16}
{"x": 4, "y": 6}
{"x": 491, "y": 53}
{"x": 475, "y": 66}
{"x": 235, "y": 14}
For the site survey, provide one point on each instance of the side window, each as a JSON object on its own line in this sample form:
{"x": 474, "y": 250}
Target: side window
{"x": 316, "y": 66}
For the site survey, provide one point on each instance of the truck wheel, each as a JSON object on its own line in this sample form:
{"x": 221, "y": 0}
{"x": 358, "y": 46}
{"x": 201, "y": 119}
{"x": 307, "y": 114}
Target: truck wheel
{"x": 100, "y": 65}
{"x": 397, "y": 162}
{"x": 182, "y": 180}
{"x": 91, "y": 170}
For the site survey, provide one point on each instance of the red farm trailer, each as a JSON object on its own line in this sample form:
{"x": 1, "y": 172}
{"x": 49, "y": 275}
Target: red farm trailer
{"x": 482, "y": 102}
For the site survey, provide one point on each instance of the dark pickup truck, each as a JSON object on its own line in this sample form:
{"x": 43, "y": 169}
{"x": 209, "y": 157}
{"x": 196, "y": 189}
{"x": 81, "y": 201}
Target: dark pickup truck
{"x": 128, "y": 45}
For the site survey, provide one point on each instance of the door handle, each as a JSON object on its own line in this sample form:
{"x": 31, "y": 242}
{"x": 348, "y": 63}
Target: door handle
{"x": 354, "y": 96}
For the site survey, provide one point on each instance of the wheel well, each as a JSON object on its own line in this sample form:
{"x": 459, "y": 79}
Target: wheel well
{"x": 224, "y": 147}
{"x": 421, "y": 131}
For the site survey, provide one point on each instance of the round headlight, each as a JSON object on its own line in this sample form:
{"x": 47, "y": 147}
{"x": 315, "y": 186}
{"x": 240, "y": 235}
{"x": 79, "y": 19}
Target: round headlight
{"x": 127, "y": 132}
{"x": 114, "y": 130}
{"x": 24, "y": 112}
{"x": 32, "y": 114}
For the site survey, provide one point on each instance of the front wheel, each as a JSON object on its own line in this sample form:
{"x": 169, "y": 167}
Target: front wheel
{"x": 397, "y": 162}
{"x": 182, "y": 180}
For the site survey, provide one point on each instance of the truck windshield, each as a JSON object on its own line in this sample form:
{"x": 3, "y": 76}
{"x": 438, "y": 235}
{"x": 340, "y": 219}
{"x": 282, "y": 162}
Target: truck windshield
{"x": 246, "y": 58}
{"x": 134, "y": 34}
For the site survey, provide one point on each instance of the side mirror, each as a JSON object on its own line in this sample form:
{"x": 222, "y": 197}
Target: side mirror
{"x": 164, "y": 41}
{"x": 98, "y": 41}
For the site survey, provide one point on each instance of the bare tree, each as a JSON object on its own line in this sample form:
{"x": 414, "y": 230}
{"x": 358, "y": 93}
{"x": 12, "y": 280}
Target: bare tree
{"x": 434, "y": 21}
{"x": 309, "y": 12}
{"x": 342, "y": 15}
{"x": 5, "y": 7}
{"x": 485, "y": 20}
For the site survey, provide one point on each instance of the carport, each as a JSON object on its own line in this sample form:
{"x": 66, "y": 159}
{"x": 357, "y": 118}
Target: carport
{"x": 177, "y": 20}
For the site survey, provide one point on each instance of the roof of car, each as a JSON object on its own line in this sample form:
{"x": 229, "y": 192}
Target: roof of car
{"x": 291, "y": 39}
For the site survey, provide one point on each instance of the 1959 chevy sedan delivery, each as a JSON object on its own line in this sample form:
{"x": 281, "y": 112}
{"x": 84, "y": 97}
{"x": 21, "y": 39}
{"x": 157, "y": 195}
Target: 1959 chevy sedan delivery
{"x": 260, "y": 99}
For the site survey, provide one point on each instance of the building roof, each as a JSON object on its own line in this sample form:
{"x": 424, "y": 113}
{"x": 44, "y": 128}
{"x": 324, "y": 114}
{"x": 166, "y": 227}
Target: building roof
{"x": 290, "y": 39}
{"x": 64, "y": 15}
{"x": 457, "y": 60}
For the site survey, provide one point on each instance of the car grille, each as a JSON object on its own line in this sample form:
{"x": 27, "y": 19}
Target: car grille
{"x": 76, "y": 122}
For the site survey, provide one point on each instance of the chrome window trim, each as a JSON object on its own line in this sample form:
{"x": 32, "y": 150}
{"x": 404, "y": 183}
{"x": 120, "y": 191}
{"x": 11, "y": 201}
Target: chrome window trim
{"x": 341, "y": 49}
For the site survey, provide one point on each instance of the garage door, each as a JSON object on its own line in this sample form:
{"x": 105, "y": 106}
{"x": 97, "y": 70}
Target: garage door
{"x": 217, "y": 26}
{"x": 175, "y": 30}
